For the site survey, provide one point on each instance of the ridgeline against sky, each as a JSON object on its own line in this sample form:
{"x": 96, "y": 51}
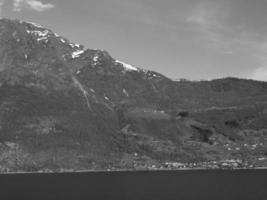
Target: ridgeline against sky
{"x": 202, "y": 39}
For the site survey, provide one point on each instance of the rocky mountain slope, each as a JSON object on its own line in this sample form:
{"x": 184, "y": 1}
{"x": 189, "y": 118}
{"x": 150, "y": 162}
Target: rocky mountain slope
{"x": 67, "y": 108}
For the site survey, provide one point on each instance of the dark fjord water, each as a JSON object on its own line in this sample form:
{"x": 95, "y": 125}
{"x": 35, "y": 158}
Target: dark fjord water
{"x": 162, "y": 185}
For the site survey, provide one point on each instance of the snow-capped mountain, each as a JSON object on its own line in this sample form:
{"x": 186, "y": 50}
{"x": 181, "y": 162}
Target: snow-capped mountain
{"x": 66, "y": 107}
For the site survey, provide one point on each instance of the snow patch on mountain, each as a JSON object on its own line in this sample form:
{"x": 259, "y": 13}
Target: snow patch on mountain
{"x": 92, "y": 90}
{"x": 75, "y": 45}
{"x": 41, "y": 35}
{"x": 107, "y": 98}
{"x": 127, "y": 66}
{"x": 77, "y": 54}
{"x": 95, "y": 58}
{"x": 125, "y": 92}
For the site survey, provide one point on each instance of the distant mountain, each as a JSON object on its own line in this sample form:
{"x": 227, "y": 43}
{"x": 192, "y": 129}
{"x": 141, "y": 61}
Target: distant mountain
{"x": 67, "y": 108}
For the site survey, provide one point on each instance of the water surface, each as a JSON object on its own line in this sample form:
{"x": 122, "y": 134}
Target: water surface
{"x": 163, "y": 185}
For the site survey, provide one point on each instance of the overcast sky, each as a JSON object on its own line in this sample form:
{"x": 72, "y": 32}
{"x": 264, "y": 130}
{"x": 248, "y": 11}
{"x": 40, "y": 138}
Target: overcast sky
{"x": 193, "y": 39}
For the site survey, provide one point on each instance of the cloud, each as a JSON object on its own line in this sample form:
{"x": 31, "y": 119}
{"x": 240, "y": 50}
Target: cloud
{"x": 259, "y": 74}
{"x": 35, "y": 5}
{"x": 211, "y": 23}
{"x": 208, "y": 20}
{"x": 1, "y": 6}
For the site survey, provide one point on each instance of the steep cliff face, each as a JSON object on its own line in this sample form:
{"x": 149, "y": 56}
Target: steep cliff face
{"x": 64, "y": 107}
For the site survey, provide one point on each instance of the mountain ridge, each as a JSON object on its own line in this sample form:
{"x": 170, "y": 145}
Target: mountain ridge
{"x": 64, "y": 107}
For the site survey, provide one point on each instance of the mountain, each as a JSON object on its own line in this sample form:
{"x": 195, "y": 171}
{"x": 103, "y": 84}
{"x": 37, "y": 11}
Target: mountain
{"x": 67, "y": 108}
